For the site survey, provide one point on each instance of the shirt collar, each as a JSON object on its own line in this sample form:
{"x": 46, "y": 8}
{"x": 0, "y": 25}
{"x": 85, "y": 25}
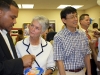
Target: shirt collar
{"x": 83, "y": 30}
{"x": 69, "y": 32}
{"x": 3, "y": 31}
{"x": 27, "y": 42}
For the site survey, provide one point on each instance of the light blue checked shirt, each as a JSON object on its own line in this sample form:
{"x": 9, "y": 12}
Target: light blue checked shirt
{"x": 71, "y": 48}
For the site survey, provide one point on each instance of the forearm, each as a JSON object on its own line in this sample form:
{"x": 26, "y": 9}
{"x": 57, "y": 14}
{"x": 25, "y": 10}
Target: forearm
{"x": 95, "y": 53}
{"x": 61, "y": 68}
{"x": 87, "y": 63}
{"x": 48, "y": 72}
{"x": 95, "y": 58}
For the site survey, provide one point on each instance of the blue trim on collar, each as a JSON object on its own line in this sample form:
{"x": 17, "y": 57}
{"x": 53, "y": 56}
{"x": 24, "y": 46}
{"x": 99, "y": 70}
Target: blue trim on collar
{"x": 38, "y": 53}
{"x": 45, "y": 45}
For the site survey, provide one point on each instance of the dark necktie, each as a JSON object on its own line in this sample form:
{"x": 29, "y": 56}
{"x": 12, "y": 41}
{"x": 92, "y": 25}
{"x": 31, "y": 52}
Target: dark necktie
{"x": 12, "y": 45}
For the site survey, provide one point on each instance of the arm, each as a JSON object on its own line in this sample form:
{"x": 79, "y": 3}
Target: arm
{"x": 60, "y": 66}
{"x": 50, "y": 62}
{"x": 87, "y": 63}
{"x": 94, "y": 53}
{"x": 59, "y": 54}
{"x": 15, "y": 66}
{"x": 48, "y": 72}
{"x": 87, "y": 56}
{"x": 11, "y": 67}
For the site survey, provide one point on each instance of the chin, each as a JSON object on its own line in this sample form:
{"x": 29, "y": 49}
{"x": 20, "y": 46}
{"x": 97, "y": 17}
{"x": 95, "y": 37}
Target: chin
{"x": 75, "y": 25}
{"x": 7, "y": 30}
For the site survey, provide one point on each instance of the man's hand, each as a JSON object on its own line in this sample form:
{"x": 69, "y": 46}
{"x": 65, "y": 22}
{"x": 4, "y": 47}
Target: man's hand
{"x": 92, "y": 44}
{"x": 97, "y": 34}
{"x": 28, "y": 60}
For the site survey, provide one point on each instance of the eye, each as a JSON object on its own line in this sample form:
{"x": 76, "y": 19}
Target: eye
{"x": 12, "y": 18}
{"x": 32, "y": 25}
{"x": 76, "y": 16}
{"x": 37, "y": 28}
{"x": 72, "y": 17}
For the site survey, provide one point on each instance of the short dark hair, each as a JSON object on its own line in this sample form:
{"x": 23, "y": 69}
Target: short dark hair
{"x": 95, "y": 25}
{"x": 5, "y": 4}
{"x": 82, "y": 16}
{"x": 67, "y": 10}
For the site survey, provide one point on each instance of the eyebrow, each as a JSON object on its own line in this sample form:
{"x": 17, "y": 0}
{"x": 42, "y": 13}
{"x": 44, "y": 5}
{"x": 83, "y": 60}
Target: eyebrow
{"x": 14, "y": 16}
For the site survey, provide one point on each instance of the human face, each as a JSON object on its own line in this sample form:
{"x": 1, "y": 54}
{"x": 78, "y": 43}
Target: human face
{"x": 35, "y": 29}
{"x": 8, "y": 18}
{"x": 85, "y": 22}
{"x": 71, "y": 21}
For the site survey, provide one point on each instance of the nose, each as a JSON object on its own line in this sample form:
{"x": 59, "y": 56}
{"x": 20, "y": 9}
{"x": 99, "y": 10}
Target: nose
{"x": 76, "y": 18}
{"x": 33, "y": 28}
{"x": 14, "y": 21}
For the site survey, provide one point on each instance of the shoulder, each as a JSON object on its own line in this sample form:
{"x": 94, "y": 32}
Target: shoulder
{"x": 22, "y": 42}
{"x": 19, "y": 44}
{"x": 60, "y": 35}
{"x": 45, "y": 43}
{"x": 82, "y": 35}
{"x": 49, "y": 44}
{"x": 81, "y": 32}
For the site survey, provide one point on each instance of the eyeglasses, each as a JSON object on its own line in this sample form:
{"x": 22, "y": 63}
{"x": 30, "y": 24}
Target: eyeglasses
{"x": 72, "y": 17}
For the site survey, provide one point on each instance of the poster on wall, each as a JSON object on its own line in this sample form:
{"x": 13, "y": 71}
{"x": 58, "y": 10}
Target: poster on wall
{"x": 52, "y": 24}
{"x": 25, "y": 29}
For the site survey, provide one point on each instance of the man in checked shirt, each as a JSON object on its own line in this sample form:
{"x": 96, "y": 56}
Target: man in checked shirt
{"x": 71, "y": 47}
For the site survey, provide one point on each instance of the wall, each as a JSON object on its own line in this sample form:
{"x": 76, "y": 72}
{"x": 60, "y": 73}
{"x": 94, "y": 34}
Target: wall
{"x": 94, "y": 13}
{"x": 25, "y": 16}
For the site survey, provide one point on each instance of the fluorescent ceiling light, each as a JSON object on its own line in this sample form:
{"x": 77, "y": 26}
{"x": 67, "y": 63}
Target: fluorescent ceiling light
{"x": 62, "y": 6}
{"x": 27, "y": 6}
{"x": 19, "y": 5}
{"x": 75, "y": 6}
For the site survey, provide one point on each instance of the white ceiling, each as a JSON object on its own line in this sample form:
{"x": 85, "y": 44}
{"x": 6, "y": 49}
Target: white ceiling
{"x": 53, "y": 4}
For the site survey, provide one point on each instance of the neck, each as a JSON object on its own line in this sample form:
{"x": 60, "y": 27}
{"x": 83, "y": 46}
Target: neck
{"x": 84, "y": 27}
{"x": 34, "y": 41}
{"x": 72, "y": 29}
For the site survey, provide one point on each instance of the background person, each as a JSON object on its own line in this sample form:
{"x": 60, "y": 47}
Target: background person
{"x": 95, "y": 26}
{"x": 85, "y": 23}
{"x": 50, "y": 35}
{"x": 95, "y": 54}
{"x": 26, "y": 30}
